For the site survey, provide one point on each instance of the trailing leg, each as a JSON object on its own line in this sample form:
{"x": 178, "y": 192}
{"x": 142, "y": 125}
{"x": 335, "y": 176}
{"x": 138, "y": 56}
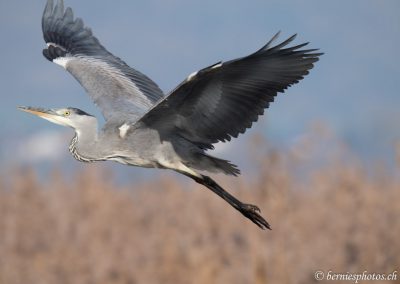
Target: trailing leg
{"x": 248, "y": 210}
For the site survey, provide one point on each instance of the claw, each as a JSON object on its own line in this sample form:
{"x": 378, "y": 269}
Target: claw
{"x": 250, "y": 207}
{"x": 251, "y": 212}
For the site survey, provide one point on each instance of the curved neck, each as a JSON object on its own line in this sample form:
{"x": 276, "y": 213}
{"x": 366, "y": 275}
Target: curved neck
{"x": 84, "y": 145}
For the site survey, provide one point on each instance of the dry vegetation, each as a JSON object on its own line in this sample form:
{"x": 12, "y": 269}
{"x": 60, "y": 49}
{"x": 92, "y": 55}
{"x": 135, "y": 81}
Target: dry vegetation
{"x": 88, "y": 230}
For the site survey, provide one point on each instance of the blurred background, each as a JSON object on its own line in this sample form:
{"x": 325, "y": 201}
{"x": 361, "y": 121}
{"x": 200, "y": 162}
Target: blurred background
{"x": 322, "y": 163}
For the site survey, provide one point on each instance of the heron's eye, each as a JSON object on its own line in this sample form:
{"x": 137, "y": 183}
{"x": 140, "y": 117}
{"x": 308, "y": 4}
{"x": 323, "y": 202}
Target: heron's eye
{"x": 67, "y": 113}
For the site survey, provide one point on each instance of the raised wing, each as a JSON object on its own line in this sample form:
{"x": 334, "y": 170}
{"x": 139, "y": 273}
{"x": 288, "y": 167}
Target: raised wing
{"x": 223, "y": 100}
{"x": 121, "y": 92}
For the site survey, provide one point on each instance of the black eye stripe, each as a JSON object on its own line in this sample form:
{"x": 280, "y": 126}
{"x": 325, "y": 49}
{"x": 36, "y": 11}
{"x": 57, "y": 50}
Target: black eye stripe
{"x": 78, "y": 111}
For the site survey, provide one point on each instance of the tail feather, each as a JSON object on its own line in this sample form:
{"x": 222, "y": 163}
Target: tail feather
{"x": 212, "y": 164}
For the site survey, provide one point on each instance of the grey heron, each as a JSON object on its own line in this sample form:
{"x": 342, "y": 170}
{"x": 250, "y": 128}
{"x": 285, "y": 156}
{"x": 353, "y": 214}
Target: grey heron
{"x": 145, "y": 128}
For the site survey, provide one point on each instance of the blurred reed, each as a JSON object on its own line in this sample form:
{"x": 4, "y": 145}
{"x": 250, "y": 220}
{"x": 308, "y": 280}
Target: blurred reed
{"x": 333, "y": 216}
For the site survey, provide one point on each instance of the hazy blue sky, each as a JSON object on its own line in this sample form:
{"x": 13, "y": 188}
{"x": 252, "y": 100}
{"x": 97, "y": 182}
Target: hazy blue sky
{"x": 353, "y": 89}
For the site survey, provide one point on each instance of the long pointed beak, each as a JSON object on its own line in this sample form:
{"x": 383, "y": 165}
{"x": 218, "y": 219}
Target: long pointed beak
{"x": 45, "y": 113}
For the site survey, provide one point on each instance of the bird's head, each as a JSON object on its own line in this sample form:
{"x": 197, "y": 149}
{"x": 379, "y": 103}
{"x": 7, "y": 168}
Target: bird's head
{"x": 71, "y": 117}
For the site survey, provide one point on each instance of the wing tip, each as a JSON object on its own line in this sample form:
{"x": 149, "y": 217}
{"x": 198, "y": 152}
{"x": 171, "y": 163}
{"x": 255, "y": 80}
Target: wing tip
{"x": 61, "y": 29}
{"x": 268, "y": 45}
{"x": 279, "y": 47}
{"x": 59, "y": 8}
{"x": 49, "y": 7}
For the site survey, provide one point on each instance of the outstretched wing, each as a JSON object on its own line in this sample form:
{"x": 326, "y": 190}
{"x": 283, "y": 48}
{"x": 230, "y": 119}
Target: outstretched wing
{"x": 121, "y": 92}
{"x": 223, "y": 100}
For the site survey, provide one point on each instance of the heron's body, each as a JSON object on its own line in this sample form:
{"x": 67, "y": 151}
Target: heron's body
{"x": 110, "y": 144}
{"x": 89, "y": 146}
{"x": 146, "y": 128}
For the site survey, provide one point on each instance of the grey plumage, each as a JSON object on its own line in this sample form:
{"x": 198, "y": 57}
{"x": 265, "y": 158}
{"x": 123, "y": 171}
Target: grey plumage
{"x": 109, "y": 81}
{"x": 147, "y": 129}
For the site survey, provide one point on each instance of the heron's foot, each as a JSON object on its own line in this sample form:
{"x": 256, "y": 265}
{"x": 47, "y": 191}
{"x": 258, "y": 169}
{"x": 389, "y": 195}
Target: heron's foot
{"x": 252, "y": 212}
{"x": 250, "y": 207}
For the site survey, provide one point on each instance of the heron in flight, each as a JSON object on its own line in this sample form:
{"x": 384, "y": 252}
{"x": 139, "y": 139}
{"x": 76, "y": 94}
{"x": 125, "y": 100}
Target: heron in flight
{"x": 145, "y": 128}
